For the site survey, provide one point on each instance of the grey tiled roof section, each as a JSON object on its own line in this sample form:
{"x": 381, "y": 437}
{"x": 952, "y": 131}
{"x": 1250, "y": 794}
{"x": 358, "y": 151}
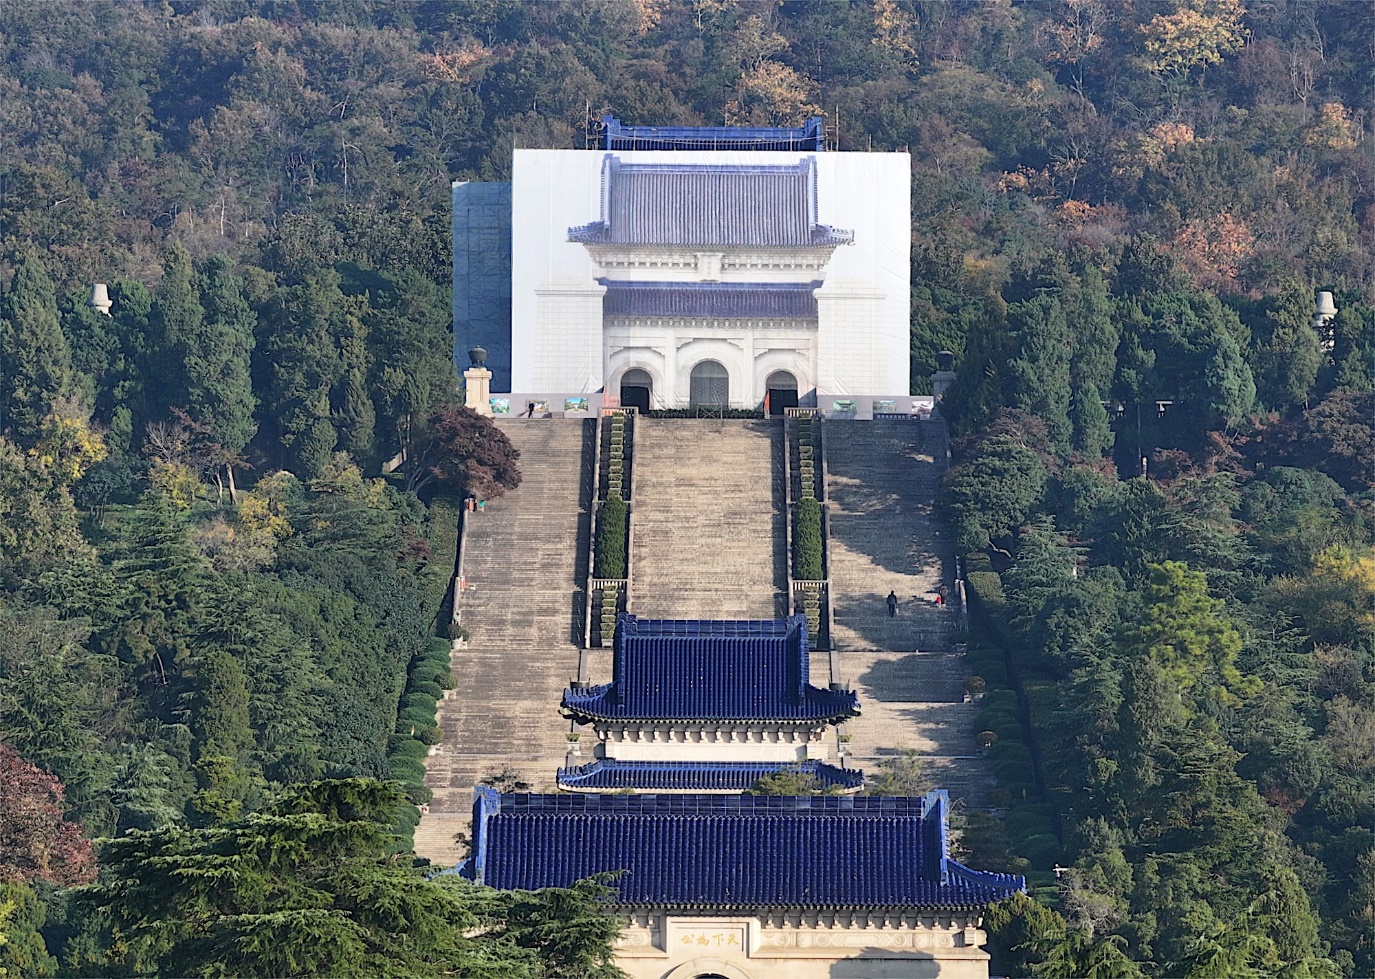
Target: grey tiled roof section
{"x": 703, "y": 205}
{"x": 788, "y": 301}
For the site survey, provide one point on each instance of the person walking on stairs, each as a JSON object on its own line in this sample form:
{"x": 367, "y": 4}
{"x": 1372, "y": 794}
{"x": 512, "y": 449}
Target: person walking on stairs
{"x": 892, "y": 604}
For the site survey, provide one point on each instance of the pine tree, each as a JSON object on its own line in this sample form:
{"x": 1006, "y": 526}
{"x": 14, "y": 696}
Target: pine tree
{"x": 219, "y": 360}
{"x": 311, "y": 886}
{"x": 1040, "y": 371}
{"x": 1089, "y": 312}
{"x": 357, "y": 418}
{"x": 301, "y": 360}
{"x": 175, "y": 328}
{"x": 1092, "y": 431}
{"x": 35, "y": 362}
{"x": 1286, "y": 349}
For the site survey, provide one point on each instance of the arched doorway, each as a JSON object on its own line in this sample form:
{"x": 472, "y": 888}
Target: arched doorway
{"x": 780, "y": 392}
{"x": 636, "y": 386}
{"x": 710, "y": 386}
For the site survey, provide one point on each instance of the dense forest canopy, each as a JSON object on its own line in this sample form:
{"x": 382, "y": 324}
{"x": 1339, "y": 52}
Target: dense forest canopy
{"x": 227, "y": 506}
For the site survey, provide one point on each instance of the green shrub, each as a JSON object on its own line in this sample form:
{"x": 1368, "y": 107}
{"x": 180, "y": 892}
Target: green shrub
{"x": 414, "y": 717}
{"x": 407, "y": 770}
{"x": 411, "y": 748}
{"x": 426, "y": 688}
{"x": 993, "y": 717}
{"x": 446, "y": 680}
{"x": 611, "y": 539}
{"x": 807, "y": 564}
{"x": 1028, "y": 819}
{"x": 420, "y": 701}
{"x": 418, "y": 795}
{"x": 429, "y": 735}
{"x": 1000, "y": 700}
{"x": 1013, "y": 775}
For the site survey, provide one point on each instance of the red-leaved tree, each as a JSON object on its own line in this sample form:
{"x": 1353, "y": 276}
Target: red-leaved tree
{"x": 464, "y": 449}
{"x": 36, "y": 841}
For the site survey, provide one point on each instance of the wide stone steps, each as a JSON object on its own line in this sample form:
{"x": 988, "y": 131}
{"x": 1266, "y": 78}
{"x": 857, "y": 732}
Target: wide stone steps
{"x": 707, "y": 537}
{"x": 882, "y": 480}
{"x": 522, "y": 607}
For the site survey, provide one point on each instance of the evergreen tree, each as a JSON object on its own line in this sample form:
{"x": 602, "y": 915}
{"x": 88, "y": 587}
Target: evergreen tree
{"x": 301, "y": 362}
{"x": 1039, "y": 374}
{"x": 1092, "y": 430}
{"x": 175, "y": 331}
{"x": 312, "y": 886}
{"x": 1286, "y": 349}
{"x": 357, "y": 418}
{"x": 219, "y": 718}
{"x": 1089, "y": 313}
{"x": 219, "y": 360}
{"x": 35, "y": 362}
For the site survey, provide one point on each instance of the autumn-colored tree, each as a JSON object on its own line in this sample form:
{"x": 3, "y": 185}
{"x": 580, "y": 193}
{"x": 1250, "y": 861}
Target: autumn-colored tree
{"x": 1196, "y": 34}
{"x": 36, "y": 841}
{"x": 465, "y": 449}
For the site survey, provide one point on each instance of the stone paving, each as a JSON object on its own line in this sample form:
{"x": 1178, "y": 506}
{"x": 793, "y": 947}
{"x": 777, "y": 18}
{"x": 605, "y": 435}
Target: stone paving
{"x": 882, "y": 479}
{"x": 708, "y": 538}
{"x": 523, "y": 610}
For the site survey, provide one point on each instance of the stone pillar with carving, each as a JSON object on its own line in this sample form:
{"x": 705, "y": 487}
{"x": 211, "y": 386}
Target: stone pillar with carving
{"x": 942, "y": 377}
{"x": 477, "y": 383}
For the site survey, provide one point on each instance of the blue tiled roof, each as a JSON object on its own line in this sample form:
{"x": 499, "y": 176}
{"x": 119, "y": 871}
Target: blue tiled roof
{"x": 711, "y": 206}
{"x": 608, "y": 775}
{"x": 616, "y": 136}
{"x": 731, "y": 851}
{"x": 667, "y": 669}
{"x": 773, "y": 300}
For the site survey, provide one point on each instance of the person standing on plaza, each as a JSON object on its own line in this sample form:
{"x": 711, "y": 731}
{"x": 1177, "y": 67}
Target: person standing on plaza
{"x": 892, "y": 604}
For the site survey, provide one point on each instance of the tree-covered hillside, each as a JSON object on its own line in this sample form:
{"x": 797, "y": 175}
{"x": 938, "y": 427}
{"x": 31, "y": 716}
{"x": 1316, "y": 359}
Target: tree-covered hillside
{"x": 218, "y": 584}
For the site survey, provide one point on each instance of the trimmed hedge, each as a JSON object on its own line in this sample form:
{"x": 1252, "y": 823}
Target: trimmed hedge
{"x": 611, "y": 539}
{"x": 427, "y": 688}
{"x": 410, "y": 749}
{"x": 807, "y": 564}
{"x": 414, "y": 717}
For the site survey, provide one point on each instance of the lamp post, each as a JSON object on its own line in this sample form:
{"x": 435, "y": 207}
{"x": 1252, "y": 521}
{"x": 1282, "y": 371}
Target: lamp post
{"x": 1160, "y": 405}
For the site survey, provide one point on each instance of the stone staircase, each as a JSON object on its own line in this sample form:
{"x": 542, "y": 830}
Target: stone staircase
{"x": 526, "y": 566}
{"x": 707, "y": 533}
{"x": 882, "y": 478}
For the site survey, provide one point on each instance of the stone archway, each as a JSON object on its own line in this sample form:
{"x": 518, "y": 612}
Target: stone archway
{"x": 710, "y": 385}
{"x": 780, "y": 392}
{"x": 637, "y": 389}
{"x": 707, "y": 969}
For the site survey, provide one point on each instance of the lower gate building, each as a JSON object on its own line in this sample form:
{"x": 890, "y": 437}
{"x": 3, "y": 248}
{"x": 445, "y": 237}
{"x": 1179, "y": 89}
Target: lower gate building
{"x": 716, "y": 883}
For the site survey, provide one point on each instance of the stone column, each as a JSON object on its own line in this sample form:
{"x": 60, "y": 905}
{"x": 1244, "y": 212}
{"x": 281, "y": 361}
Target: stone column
{"x": 477, "y": 389}
{"x": 943, "y": 376}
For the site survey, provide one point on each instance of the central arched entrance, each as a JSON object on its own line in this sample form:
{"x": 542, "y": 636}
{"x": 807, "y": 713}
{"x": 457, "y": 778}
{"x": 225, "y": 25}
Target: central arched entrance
{"x": 780, "y": 392}
{"x": 710, "y": 386}
{"x": 636, "y": 387}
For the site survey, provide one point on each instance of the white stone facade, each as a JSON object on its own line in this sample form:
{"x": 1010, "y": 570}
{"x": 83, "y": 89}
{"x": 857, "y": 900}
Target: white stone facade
{"x": 784, "y": 744}
{"x": 856, "y": 342}
{"x": 804, "y": 945}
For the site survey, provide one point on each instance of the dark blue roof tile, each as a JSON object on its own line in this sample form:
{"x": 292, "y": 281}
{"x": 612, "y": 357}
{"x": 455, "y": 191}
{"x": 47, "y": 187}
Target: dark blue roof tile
{"x": 731, "y": 851}
{"x": 791, "y": 300}
{"x": 720, "y": 206}
{"x": 609, "y": 775}
{"x": 666, "y": 669}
